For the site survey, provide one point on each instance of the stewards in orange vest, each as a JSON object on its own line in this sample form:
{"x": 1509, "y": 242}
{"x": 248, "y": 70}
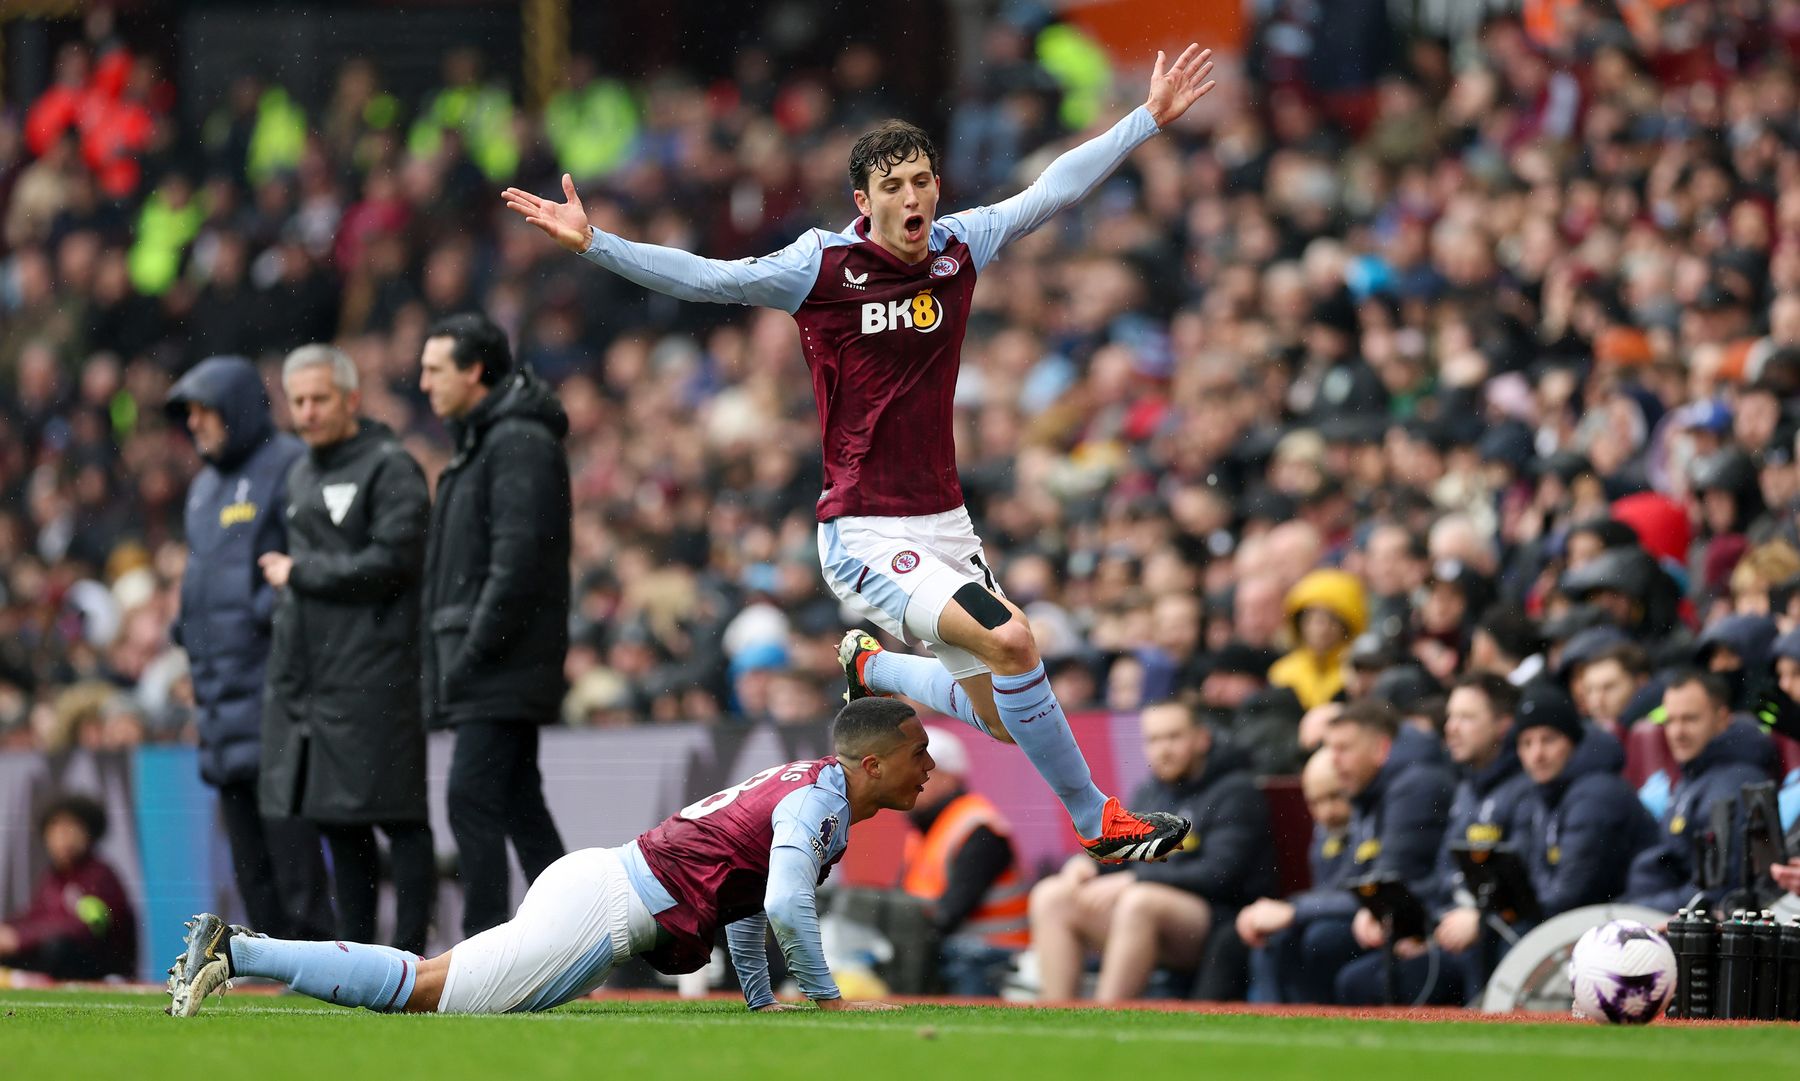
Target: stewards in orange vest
{"x": 960, "y": 862}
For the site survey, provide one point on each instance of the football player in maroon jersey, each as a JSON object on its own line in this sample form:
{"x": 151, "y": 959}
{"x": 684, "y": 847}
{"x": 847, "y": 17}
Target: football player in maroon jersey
{"x": 749, "y": 859}
{"x": 882, "y": 307}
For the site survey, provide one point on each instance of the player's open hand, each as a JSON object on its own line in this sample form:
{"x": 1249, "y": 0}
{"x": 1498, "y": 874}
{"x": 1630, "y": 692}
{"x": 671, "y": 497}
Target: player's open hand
{"x": 855, "y": 1005}
{"x": 566, "y": 223}
{"x": 1173, "y": 91}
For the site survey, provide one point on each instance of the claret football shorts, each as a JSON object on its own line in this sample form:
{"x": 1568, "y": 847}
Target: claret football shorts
{"x": 901, "y": 573}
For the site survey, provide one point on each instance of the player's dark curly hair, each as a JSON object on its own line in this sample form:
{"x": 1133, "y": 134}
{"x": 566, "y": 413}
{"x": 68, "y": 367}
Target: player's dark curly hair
{"x": 886, "y": 145}
{"x": 869, "y": 726}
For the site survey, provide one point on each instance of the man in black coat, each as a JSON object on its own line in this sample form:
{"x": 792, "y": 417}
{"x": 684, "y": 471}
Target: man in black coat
{"x": 496, "y": 602}
{"x": 1586, "y": 823}
{"x": 343, "y": 744}
{"x": 1157, "y": 915}
{"x": 233, "y": 517}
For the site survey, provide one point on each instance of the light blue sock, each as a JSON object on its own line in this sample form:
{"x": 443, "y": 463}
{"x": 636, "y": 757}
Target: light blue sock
{"x": 1035, "y": 720}
{"x": 922, "y": 679}
{"x": 345, "y": 973}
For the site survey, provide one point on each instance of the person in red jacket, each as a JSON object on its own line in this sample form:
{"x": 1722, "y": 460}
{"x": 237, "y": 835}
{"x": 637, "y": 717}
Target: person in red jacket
{"x": 79, "y": 924}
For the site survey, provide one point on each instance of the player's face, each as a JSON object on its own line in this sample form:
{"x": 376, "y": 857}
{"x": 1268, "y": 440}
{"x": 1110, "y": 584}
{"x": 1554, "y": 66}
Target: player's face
{"x": 906, "y": 768}
{"x": 901, "y": 202}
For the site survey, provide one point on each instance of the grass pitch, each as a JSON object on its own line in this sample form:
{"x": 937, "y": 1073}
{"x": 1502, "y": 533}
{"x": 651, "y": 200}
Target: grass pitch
{"x": 125, "y": 1037}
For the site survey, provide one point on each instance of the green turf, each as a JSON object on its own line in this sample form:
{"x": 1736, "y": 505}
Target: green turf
{"x": 121, "y": 1037}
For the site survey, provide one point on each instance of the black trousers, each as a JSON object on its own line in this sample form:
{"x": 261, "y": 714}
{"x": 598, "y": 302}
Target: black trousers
{"x": 279, "y": 869}
{"x": 356, "y": 871}
{"x": 496, "y": 793}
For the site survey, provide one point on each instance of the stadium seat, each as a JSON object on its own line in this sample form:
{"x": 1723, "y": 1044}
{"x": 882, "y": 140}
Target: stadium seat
{"x": 1292, "y": 826}
{"x": 1646, "y": 752}
{"x": 1790, "y": 753}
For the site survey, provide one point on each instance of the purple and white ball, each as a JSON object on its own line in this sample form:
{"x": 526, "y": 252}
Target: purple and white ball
{"x": 1623, "y": 974}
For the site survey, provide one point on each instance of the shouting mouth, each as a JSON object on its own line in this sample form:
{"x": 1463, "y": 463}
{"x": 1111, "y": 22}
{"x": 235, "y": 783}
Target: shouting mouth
{"x": 914, "y": 228}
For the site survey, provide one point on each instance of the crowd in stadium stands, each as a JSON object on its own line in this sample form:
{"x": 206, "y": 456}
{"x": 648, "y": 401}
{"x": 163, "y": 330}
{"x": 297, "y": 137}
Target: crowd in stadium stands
{"x": 1370, "y": 379}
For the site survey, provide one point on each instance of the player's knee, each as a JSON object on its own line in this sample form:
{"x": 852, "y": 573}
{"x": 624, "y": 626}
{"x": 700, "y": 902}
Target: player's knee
{"x": 1012, "y": 647}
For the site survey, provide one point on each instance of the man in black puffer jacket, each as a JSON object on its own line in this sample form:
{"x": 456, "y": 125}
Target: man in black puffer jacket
{"x": 1148, "y": 915}
{"x": 233, "y": 518}
{"x": 496, "y": 602}
{"x": 343, "y": 746}
{"x": 1454, "y": 964}
{"x": 1586, "y": 824}
{"x": 1718, "y": 757}
{"x": 1401, "y": 789}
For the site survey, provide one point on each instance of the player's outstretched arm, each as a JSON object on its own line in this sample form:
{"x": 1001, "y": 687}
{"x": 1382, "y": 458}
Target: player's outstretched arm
{"x": 780, "y": 280}
{"x": 1075, "y": 173}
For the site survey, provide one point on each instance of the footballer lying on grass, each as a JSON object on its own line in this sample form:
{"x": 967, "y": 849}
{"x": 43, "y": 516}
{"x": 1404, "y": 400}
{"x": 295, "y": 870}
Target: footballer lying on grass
{"x": 750, "y": 858}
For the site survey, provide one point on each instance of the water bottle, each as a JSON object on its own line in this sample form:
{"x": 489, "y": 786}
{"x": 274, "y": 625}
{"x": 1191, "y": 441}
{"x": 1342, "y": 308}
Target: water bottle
{"x": 1694, "y": 936}
{"x": 1789, "y": 997}
{"x": 1766, "y": 988}
{"x": 1737, "y": 968}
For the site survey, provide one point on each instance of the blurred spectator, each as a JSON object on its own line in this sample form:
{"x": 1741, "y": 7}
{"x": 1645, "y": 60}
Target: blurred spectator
{"x": 592, "y": 123}
{"x": 1159, "y": 915}
{"x": 479, "y": 114}
{"x": 80, "y": 924}
{"x": 960, "y": 862}
{"x": 1400, "y": 794}
{"x": 1282, "y": 933}
{"x": 1326, "y": 609}
{"x": 1585, "y": 823}
{"x": 1489, "y": 808}
{"x": 1717, "y": 757}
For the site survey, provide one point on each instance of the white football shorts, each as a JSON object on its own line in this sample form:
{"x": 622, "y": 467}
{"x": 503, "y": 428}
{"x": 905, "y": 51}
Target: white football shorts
{"x": 900, "y": 574}
{"x": 578, "y": 919}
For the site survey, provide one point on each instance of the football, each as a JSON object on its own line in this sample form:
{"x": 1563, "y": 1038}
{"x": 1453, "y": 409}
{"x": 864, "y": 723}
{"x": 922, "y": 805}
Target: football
{"x": 1623, "y": 974}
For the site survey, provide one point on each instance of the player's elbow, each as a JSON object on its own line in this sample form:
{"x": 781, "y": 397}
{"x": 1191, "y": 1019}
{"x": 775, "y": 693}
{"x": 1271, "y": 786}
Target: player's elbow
{"x": 785, "y": 912}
